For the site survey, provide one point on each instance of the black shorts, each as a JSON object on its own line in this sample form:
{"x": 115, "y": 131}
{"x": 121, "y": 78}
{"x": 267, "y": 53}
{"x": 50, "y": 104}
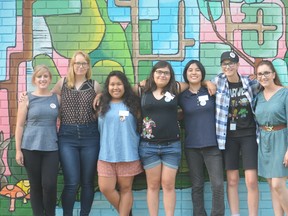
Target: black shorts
{"x": 247, "y": 147}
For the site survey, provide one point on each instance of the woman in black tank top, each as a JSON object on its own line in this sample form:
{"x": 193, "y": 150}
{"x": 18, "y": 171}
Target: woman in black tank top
{"x": 160, "y": 147}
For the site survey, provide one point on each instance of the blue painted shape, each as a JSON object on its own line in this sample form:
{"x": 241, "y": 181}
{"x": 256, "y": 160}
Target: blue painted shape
{"x": 282, "y": 70}
{"x": 7, "y": 32}
{"x": 148, "y": 10}
{"x": 167, "y": 43}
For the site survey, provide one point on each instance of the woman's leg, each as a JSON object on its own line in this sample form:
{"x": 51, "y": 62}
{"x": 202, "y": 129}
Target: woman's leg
{"x": 213, "y": 161}
{"x": 195, "y": 163}
{"x": 107, "y": 186}
{"x": 232, "y": 191}
{"x": 33, "y": 163}
{"x": 88, "y": 159}
{"x": 249, "y": 150}
{"x": 70, "y": 162}
{"x": 153, "y": 178}
{"x": 168, "y": 179}
{"x": 50, "y": 165}
{"x": 279, "y": 188}
{"x": 126, "y": 195}
{"x": 278, "y": 211}
{"x": 251, "y": 179}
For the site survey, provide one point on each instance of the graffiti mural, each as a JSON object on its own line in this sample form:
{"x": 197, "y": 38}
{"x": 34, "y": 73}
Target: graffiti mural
{"x": 130, "y": 36}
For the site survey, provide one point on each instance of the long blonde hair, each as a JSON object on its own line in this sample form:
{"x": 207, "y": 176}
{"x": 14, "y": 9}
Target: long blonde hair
{"x": 71, "y": 74}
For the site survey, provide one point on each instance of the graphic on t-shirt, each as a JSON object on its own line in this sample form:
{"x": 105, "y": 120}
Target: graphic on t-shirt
{"x": 147, "y": 128}
{"x": 239, "y": 104}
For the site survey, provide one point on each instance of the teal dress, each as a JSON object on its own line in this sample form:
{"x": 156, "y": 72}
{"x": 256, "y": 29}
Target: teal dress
{"x": 272, "y": 145}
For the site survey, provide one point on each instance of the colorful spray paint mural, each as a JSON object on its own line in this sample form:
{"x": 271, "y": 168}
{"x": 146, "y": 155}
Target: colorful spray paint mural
{"x": 128, "y": 35}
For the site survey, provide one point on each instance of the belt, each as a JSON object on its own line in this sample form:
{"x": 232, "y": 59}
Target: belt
{"x": 273, "y": 128}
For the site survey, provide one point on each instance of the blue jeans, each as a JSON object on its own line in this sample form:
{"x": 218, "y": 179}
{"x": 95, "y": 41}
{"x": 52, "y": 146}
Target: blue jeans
{"x": 153, "y": 154}
{"x": 79, "y": 149}
{"x": 212, "y": 158}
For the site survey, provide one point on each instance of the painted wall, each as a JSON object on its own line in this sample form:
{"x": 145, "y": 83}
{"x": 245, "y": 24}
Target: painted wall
{"x": 129, "y": 36}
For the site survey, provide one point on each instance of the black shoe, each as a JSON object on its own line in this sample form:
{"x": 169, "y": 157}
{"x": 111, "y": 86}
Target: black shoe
{"x": 130, "y": 214}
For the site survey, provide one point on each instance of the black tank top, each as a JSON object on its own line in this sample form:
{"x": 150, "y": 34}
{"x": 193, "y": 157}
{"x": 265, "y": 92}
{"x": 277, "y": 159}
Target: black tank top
{"x": 159, "y": 119}
{"x": 77, "y": 105}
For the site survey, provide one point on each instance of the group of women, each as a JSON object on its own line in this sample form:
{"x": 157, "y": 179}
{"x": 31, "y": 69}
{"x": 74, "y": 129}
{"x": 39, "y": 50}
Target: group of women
{"x": 136, "y": 128}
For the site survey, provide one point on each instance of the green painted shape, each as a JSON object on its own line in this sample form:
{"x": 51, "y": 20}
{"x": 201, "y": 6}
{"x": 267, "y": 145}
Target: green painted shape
{"x": 102, "y": 68}
{"x": 113, "y": 45}
{"x": 48, "y": 61}
{"x": 51, "y": 7}
{"x": 69, "y": 33}
{"x": 215, "y": 7}
{"x": 282, "y": 70}
{"x": 210, "y": 54}
{"x": 271, "y": 15}
{"x": 17, "y": 172}
{"x": 145, "y": 38}
{"x": 251, "y": 1}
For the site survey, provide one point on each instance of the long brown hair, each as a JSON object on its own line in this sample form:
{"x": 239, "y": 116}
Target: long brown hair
{"x": 71, "y": 74}
{"x": 170, "y": 87}
{"x": 271, "y": 66}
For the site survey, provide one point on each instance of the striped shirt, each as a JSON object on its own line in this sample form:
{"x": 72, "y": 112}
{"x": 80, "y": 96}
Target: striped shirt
{"x": 250, "y": 87}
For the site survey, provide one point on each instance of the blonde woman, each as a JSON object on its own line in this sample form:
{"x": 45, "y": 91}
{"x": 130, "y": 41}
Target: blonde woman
{"x": 36, "y": 141}
{"x": 78, "y": 133}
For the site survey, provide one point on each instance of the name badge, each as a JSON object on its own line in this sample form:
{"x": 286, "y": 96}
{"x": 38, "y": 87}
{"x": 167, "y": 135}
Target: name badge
{"x": 232, "y": 126}
{"x": 202, "y": 99}
{"x": 168, "y": 96}
{"x": 53, "y": 106}
{"x": 123, "y": 114}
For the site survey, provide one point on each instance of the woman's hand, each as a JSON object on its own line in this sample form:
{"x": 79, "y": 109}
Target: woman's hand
{"x": 19, "y": 158}
{"x": 210, "y": 86}
{"x": 22, "y": 96}
{"x": 285, "y": 160}
{"x": 96, "y": 101}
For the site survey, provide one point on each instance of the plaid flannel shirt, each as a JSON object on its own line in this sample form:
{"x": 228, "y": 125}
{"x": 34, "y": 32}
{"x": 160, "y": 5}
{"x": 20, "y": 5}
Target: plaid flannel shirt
{"x": 250, "y": 87}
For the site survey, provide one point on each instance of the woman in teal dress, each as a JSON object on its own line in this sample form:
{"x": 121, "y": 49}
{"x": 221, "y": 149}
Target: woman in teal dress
{"x": 271, "y": 114}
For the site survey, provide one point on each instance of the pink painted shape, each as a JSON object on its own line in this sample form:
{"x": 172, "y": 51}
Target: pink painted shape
{"x": 62, "y": 63}
{"x": 207, "y": 34}
{"x": 5, "y": 128}
{"x": 19, "y": 44}
{"x": 124, "y": 25}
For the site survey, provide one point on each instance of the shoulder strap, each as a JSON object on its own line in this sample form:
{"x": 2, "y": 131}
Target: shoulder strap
{"x": 178, "y": 86}
{"x": 140, "y": 90}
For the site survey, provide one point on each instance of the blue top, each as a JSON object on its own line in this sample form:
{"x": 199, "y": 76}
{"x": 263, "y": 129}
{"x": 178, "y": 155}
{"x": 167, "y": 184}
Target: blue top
{"x": 119, "y": 139}
{"x": 273, "y": 144}
{"x": 199, "y": 118}
{"x": 40, "y": 131}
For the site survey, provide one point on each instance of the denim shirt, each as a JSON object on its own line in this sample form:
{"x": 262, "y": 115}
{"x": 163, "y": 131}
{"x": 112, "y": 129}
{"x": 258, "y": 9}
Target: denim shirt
{"x": 251, "y": 88}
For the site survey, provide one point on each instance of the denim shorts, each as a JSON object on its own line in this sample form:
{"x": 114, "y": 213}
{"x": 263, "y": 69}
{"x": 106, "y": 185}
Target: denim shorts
{"x": 153, "y": 154}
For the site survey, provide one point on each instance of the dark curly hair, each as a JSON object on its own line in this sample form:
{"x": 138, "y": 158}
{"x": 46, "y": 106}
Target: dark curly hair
{"x": 130, "y": 99}
{"x": 171, "y": 87}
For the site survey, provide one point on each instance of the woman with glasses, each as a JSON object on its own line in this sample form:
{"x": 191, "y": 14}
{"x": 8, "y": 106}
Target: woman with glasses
{"x": 271, "y": 113}
{"x": 78, "y": 133}
{"x": 236, "y": 130}
{"x": 201, "y": 148}
{"x": 160, "y": 146}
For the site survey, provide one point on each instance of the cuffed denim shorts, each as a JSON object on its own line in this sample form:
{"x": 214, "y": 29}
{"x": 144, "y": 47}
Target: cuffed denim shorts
{"x": 153, "y": 154}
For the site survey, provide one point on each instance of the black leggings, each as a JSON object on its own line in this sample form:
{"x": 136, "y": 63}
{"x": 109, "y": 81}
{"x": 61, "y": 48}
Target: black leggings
{"x": 42, "y": 170}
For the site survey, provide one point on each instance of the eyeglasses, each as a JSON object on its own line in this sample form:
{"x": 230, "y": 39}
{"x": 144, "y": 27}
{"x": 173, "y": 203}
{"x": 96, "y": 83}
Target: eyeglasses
{"x": 84, "y": 64}
{"x": 230, "y": 64}
{"x": 160, "y": 72}
{"x": 265, "y": 74}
